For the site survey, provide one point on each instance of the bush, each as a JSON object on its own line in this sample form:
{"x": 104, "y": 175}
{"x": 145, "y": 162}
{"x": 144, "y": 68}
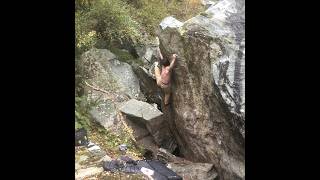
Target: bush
{"x": 149, "y": 13}
{"x": 108, "y": 20}
{"x": 82, "y": 108}
{"x": 86, "y": 36}
{"x": 116, "y": 21}
{"x": 83, "y": 4}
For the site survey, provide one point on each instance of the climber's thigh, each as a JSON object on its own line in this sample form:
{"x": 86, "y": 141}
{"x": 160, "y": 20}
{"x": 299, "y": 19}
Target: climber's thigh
{"x": 166, "y": 89}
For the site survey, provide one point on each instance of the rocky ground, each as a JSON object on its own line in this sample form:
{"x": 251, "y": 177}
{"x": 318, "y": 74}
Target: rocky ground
{"x": 88, "y": 164}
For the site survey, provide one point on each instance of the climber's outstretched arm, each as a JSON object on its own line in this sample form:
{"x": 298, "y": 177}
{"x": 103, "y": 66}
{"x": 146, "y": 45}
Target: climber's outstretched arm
{"x": 173, "y": 61}
{"x": 159, "y": 53}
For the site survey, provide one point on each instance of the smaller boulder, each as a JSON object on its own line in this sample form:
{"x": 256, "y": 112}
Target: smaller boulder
{"x": 106, "y": 158}
{"x": 88, "y": 172}
{"x": 194, "y": 170}
{"x": 170, "y": 22}
{"x": 142, "y": 110}
{"x": 147, "y": 115}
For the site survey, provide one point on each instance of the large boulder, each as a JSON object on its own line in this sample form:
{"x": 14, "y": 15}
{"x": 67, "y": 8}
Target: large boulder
{"x": 207, "y": 108}
{"x": 150, "y": 117}
{"x": 141, "y": 110}
{"x": 229, "y": 68}
{"x": 102, "y": 69}
{"x": 108, "y": 82}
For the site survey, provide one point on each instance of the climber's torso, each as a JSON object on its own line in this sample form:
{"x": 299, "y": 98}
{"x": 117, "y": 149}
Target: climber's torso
{"x": 165, "y": 75}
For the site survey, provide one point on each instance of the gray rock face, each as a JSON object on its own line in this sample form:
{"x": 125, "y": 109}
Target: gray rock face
{"x": 165, "y": 156}
{"x": 187, "y": 169}
{"x": 207, "y": 107}
{"x": 125, "y": 77}
{"x": 105, "y": 118}
{"x": 148, "y": 143}
{"x": 139, "y": 131}
{"x": 148, "y": 85}
{"x": 229, "y": 68}
{"x": 148, "y": 51}
{"x": 147, "y": 115}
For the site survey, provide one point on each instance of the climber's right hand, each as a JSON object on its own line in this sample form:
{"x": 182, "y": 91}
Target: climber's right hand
{"x": 174, "y": 55}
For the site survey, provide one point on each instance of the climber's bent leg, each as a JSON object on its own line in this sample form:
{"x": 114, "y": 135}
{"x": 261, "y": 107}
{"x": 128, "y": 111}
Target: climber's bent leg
{"x": 167, "y": 92}
{"x": 166, "y": 98}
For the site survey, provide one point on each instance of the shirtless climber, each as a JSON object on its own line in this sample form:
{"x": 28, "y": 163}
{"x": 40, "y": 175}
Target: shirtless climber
{"x": 163, "y": 74}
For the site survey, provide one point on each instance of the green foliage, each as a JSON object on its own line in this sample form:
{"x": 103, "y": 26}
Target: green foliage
{"x": 82, "y": 108}
{"x": 85, "y": 34}
{"x": 105, "y": 19}
{"x": 115, "y": 21}
{"x": 83, "y": 4}
{"x": 149, "y": 13}
{"x": 79, "y": 80}
{"x": 184, "y": 10}
{"x": 78, "y": 125}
